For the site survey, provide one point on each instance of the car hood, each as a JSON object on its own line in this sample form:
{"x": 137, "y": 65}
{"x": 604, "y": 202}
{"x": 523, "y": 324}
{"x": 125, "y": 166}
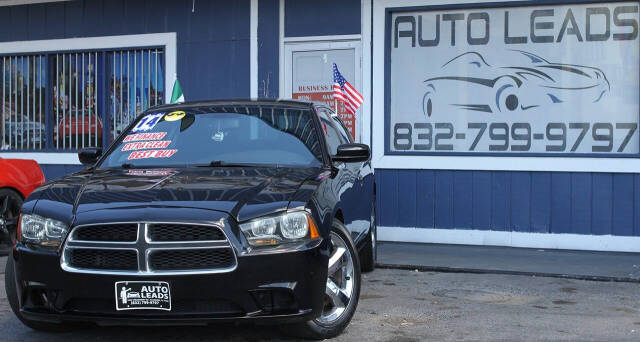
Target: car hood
{"x": 242, "y": 192}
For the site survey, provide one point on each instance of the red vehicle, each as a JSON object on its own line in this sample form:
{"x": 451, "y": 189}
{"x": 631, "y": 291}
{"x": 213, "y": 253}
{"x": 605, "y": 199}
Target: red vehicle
{"x": 18, "y": 178}
{"x": 74, "y": 127}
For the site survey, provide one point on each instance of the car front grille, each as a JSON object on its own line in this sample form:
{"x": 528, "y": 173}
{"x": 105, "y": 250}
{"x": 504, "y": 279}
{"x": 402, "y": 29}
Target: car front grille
{"x": 104, "y": 259}
{"x": 107, "y": 232}
{"x": 191, "y": 259}
{"x": 148, "y": 248}
{"x": 181, "y": 232}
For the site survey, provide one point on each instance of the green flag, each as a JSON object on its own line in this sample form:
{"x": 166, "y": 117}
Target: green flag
{"x": 176, "y": 94}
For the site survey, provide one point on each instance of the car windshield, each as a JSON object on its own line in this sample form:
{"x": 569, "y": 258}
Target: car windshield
{"x": 218, "y": 136}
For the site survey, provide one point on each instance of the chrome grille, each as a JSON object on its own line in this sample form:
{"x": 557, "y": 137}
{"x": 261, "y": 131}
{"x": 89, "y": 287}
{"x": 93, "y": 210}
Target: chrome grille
{"x": 148, "y": 248}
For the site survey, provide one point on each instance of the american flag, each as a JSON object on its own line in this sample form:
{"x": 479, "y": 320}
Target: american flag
{"x": 345, "y": 92}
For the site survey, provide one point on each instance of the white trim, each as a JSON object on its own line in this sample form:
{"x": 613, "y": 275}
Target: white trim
{"x": 322, "y": 38}
{"x": 470, "y": 162}
{"x": 253, "y": 50}
{"x": 614, "y": 165}
{"x": 168, "y": 40}
{"x": 51, "y": 158}
{"x": 281, "y": 50}
{"x": 608, "y": 243}
{"x": 365, "y": 116}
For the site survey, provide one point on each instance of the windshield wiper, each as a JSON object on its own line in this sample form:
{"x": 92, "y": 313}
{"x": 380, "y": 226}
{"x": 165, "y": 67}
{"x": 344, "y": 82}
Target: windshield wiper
{"x": 126, "y": 165}
{"x": 220, "y": 163}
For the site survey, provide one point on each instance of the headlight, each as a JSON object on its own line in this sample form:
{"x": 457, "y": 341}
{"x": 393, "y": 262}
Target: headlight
{"x": 42, "y": 231}
{"x": 279, "y": 229}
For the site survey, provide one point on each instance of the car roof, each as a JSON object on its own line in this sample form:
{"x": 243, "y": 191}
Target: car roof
{"x": 238, "y": 102}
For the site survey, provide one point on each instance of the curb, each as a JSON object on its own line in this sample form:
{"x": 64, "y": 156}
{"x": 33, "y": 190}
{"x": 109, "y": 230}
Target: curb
{"x": 442, "y": 269}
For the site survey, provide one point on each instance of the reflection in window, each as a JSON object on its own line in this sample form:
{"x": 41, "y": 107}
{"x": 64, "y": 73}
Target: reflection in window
{"x": 23, "y": 101}
{"x": 76, "y": 120}
{"x": 136, "y": 82}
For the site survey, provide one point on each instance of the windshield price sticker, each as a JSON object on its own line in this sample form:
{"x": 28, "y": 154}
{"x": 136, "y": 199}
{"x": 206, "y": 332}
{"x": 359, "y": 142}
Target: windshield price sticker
{"x": 143, "y": 145}
{"x": 500, "y": 80}
{"x": 151, "y": 154}
{"x": 145, "y": 136}
{"x": 147, "y": 122}
{"x": 137, "y": 295}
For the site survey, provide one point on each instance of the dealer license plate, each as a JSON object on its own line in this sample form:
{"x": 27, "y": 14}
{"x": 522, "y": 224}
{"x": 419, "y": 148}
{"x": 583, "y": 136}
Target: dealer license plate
{"x": 143, "y": 295}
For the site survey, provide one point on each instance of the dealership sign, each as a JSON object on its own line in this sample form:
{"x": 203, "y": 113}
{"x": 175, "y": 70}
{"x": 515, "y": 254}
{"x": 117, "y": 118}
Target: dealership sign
{"x": 526, "y": 79}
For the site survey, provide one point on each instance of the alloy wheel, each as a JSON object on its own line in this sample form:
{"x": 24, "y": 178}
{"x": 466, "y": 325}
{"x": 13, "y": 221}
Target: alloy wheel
{"x": 340, "y": 281}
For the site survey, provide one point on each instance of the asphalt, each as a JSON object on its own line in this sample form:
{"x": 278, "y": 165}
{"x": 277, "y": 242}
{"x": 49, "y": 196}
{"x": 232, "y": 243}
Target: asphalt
{"x": 406, "y": 306}
{"x": 587, "y": 265}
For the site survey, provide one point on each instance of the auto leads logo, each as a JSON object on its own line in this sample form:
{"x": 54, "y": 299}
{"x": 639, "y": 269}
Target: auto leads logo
{"x": 132, "y": 295}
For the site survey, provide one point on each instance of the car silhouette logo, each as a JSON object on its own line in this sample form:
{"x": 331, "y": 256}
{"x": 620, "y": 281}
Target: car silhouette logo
{"x": 528, "y": 81}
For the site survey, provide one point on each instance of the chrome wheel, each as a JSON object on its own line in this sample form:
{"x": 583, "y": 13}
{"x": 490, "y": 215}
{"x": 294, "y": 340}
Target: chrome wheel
{"x": 373, "y": 234}
{"x": 340, "y": 281}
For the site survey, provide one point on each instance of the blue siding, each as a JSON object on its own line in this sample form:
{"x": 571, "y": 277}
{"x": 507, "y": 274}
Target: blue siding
{"x": 387, "y": 192}
{"x": 581, "y": 203}
{"x": 544, "y": 202}
{"x": 213, "y": 39}
{"x": 601, "y": 203}
{"x": 303, "y": 18}
{"x": 481, "y": 200}
{"x": 425, "y": 199}
{"x": 636, "y": 205}
{"x": 500, "y": 200}
{"x": 622, "y": 214}
{"x": 540, "y": 204}
{"x": 462, "y": 202}
{"x": 268, "y": 48}
{"x": 407, "y": 187}
{"x": 443, "y": 208}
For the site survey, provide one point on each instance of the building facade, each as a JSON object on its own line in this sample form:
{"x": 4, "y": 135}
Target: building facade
{"x": 510, "y": 123}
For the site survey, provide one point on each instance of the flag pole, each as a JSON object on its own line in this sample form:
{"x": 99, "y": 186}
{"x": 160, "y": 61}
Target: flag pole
{"x": 336, "y": 101}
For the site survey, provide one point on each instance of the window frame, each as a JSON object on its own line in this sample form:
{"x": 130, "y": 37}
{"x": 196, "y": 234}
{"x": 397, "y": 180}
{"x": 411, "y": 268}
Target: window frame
{"x": 103, "y": 45}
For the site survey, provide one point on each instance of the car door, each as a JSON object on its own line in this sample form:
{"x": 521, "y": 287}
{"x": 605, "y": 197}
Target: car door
{"x": 349, "y": 182}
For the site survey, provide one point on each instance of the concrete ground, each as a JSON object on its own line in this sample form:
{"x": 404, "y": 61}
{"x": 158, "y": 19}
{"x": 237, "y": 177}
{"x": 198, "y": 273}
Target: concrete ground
{"x": 405, "y": 305}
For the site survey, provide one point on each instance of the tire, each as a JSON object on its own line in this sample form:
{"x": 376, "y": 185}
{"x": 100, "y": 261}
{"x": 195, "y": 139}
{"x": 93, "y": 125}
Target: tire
{"x": 369, "y": 253}
{"x": 320, "y": 328}
{"x": 15, "y": 203}
{"x": 12, "y": 296}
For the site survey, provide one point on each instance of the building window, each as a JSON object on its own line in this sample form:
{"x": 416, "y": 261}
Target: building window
{"x": 23, "y": 98}
{"x": 136, "y": 82}
{"x": 87, "y": 100}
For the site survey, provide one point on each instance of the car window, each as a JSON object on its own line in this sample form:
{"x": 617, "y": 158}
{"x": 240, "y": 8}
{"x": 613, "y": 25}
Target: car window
{"x": 344, "y": 134}
{"x": 233, "y": 135}
{"x": 330, "y": 132}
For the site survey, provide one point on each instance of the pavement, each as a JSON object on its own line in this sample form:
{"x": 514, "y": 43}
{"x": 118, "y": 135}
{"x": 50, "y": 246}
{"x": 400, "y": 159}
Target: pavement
{"x": 407, "y": 305}
{"x": 606, "y": 266}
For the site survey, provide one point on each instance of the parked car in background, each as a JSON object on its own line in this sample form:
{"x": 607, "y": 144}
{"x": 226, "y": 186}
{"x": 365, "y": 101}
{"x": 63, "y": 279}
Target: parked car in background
{"x": 22, "y": 132}
{"x": 76, "y": 131}
{"x": 18, "y": 178}
{"x": 204, "y": 212}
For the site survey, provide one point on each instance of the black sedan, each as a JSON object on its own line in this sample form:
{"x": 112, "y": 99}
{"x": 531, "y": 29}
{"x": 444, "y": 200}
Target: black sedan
{"x": 203, "y": 212}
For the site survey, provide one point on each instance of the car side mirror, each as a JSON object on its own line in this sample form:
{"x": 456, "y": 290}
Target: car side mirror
{"x": 89, "y": 156}
{"x": 352, "y": 153}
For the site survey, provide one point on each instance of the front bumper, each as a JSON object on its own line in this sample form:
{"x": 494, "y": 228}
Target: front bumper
{"x": 282, "y": 287}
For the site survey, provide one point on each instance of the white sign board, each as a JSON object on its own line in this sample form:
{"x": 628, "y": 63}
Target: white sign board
{"x": 531, "y": 79}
